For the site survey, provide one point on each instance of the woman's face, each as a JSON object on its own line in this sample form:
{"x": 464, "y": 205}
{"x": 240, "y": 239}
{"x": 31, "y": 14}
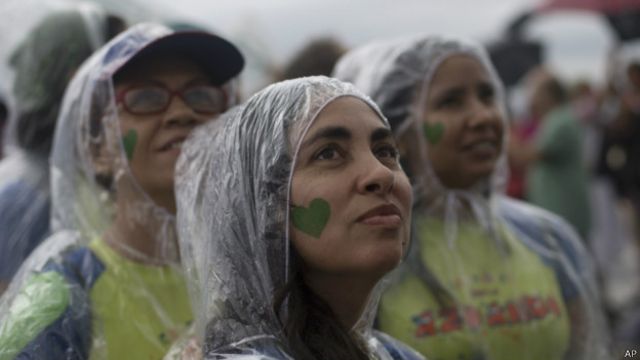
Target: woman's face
{"x": 350, "y": 200}
{"x": 152, "y": 142}
{"x": 462, "y": 123}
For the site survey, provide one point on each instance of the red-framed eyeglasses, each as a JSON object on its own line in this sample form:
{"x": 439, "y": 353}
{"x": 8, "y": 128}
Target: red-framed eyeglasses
{"x": 155, "y": 99}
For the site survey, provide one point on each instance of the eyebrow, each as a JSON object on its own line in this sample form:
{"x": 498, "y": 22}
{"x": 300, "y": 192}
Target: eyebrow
{"x": 451, "y": 91}
{"x": 332, "y": 133}
{"x": 456, "y": 90}
{"x": 486, "y": 85}
{"x": 381, "y": 134}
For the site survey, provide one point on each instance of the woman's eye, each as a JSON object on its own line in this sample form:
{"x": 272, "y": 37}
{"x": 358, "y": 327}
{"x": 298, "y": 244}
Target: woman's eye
{"x": 387, "y": 152}
{"x": 329, "y": 153}
{"x": 450, "y": 102}
{"x": 487, "y": 95}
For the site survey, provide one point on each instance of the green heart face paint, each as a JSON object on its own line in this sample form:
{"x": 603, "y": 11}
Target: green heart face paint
{"x": 313, "y": 219}
{"x": 433, "y": 132}
{"x": 129, "y": 143}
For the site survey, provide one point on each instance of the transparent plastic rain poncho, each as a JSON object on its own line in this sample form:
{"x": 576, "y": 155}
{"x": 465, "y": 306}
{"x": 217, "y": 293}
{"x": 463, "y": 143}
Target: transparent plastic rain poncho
{"x": 232, "y": 187}
{"x": 84, "y": 293}
{"x": 487, "y": 277}
{"x": 43, "y": 64}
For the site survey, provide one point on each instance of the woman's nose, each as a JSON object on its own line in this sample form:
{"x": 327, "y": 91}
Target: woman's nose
{"x": 483, "y": 114}
{"x": 180, "y": 114}
{"x": 376, "y": 177}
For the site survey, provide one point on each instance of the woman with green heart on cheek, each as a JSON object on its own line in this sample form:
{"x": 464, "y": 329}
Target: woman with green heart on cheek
{"x": 108, "y": 284}
{"x": 487, "y": 277}
{"x": 291, "y": 210}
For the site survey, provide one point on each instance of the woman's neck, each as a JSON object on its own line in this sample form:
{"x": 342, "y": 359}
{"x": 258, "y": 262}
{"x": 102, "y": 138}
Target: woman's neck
{"x": 347, "y": 296}
{"x": 142, "y": 231}
{"x": 136, "y": 232}
{"x": 131, "y": 241}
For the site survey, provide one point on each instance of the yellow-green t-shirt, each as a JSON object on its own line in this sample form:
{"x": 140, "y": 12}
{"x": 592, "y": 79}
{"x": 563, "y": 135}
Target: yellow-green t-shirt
{"x": 508, "y": 304}
{"x": 139, "y": 310}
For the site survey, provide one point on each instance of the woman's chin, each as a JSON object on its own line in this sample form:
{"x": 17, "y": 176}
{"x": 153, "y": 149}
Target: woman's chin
{"x": 385, "y": 261}
{"x": 475, "y": 174}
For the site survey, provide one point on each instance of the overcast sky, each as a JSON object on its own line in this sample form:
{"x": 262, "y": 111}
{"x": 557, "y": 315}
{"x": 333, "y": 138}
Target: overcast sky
{"x": 270, "y": 31}
{"x": 577, "y": 41}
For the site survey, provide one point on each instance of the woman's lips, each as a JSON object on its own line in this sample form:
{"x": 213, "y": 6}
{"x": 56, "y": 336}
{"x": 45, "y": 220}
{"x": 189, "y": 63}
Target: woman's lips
{"x": 485, "y": 148}
{"x": 383, "y": 220}
{"x": 174, "y": 144}
{"x": 387, "y": 215}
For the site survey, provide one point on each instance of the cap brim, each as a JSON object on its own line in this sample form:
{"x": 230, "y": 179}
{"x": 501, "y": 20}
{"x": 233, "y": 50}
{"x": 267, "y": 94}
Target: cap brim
{"x": 216, "y": 56}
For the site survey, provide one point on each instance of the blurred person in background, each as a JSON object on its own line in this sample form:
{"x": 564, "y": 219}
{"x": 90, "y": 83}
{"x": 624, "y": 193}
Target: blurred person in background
{"x": 584, "y": 99}
{"x": 4, "y": 118}
{"x": 291, "y": 210}
{"x": 44, "y": 63}
{"x": 523, "y": 130}
{"x": 487, "y": 277}
{"x": 619, "y": 162}
{"x": 516, "y": 185}
{"x": 317, "y": 57}
{"x": 556, "y": 179}
{"x": 620, "y": 153}
{"x": 107, "y": 283}
{"x": 609, "y": 232}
